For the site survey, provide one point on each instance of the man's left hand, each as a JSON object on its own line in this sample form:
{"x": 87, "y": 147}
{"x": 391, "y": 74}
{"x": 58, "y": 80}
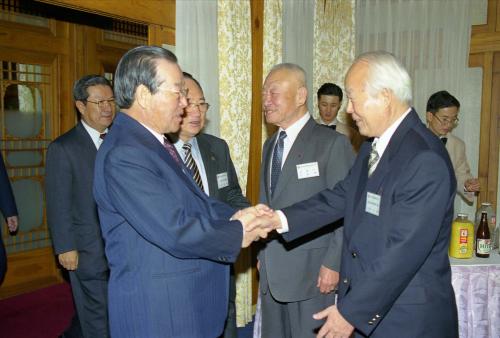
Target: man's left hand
{"x": 335, "y": 326}
{"x": 327, "y": 279}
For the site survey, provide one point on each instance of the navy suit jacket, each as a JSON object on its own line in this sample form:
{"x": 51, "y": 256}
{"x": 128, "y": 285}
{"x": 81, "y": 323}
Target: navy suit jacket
{"x": 8, "y": 209}
{"x": 395, "y": 278}
{"x": 167, "y": 243}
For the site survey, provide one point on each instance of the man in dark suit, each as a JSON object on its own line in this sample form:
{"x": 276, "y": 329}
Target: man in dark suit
{"x": 9, "y": 212}
{"x": 71, "y": 209}
{"x": 168, "y": 244}
{"x": 212, "y": 166}
{"x": 298, "y": 278}
{"x": 397, "y": 204}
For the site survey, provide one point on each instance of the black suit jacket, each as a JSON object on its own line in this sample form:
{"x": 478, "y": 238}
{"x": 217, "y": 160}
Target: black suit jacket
{"x": 218, "y": 166}
{"x": 8, "y": 209}
{"x": 71, "y": 209}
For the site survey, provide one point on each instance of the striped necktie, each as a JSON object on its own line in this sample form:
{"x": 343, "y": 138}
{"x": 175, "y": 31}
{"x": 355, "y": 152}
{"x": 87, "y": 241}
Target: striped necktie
{"x": 191, "y": 164}
{"x": 373, "y": 159}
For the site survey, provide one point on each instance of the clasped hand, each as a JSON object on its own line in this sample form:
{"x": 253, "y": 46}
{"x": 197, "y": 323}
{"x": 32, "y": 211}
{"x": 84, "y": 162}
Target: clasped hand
{"x": 257, "y": 222}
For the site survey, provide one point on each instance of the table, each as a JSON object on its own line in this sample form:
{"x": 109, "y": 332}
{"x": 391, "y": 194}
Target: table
{"x": 476, "y": 282}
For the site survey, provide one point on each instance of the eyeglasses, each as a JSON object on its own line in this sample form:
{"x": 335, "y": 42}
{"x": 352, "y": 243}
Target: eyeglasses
{"x": 103, "y": 103}
{"x": 444, "y": 120}
{"x": 180, "y": 92}
{"x": 202, "y": 106}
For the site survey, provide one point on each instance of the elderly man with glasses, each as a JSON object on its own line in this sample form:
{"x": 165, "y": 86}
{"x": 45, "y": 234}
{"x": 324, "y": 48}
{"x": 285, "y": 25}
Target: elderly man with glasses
{"x": 210, "y": 162}
{"x": 72, "y": 211}
{"x": 442, "y": 118}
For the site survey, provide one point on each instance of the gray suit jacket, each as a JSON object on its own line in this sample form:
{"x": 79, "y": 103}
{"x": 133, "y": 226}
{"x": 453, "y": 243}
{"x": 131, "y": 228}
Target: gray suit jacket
{"x": 71, "y": 209}
{"x": 217, "y": 162}
{"x": 290, "y": 270}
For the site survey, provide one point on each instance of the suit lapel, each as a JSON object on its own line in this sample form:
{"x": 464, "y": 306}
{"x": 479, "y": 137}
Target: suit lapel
{"x": 268, "y": 150}
{"x": 295, "y": 157}
{"x": 374, "y": 184}
{"x": 85, "y": 139}
{"x": 145, "y": 138}
{"x": 209, "y": 164}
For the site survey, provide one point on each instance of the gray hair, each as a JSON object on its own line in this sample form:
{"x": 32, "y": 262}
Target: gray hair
{"x": 387, "y": 72}
{"x": 291, "y": 67}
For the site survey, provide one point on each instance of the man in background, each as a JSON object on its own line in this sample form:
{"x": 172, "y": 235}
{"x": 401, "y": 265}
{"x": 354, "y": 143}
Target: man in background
{"x": 209, "y": 159}
{"x": 329, "y": 102}
{"x": 301, "y": 159}
{"x": 9, "y": 212}
{"x": 168, "y": 244}
{"x": 442, "y": 118}
{"x": 71, "y": 209}
{"x": 397, "y": 205}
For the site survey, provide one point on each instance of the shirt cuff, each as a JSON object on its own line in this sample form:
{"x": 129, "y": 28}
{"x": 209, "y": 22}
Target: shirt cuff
{"x": 284, "y": 223}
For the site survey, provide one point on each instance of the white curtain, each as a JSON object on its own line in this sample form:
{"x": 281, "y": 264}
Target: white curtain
{"x": 196, "y": 48}
{"x": 432, "y": 40}
{"x": 298, "y": 38}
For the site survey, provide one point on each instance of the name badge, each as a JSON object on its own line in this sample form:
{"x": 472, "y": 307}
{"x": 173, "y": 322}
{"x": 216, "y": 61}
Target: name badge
{"x": 306, "y": 170}
{"x": 222, "y": 180}
{"x": 372, "y": 203}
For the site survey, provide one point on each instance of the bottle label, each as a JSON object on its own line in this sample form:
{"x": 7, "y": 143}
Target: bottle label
{"x": 464, "y": 233}
{"x": 483, "y": 246}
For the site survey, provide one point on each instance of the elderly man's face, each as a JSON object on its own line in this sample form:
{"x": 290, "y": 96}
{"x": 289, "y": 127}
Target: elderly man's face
{"x": 193, "y": 120}
{"x": 281, "y": 99}
{"x": 167, "y": 104}
{"x": 99, "y": 109}
{"x": 369, "y": 112}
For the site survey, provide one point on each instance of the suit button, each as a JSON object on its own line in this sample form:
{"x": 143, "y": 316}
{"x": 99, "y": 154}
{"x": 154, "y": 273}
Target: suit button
{"x": 370, "y": 323}
{"x": 345, "y": 281}
{"x": 377, "y": 316}
{"x": 354, "y": 254}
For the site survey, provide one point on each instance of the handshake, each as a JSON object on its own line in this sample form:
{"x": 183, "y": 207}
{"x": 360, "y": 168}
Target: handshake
{"x": 257, "y": 222}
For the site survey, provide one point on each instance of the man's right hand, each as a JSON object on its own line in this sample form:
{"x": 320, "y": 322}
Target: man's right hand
{"x": 69, "y": 260}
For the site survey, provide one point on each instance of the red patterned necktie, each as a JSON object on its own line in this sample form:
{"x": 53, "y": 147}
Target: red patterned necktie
{"x": 171, "y": 150}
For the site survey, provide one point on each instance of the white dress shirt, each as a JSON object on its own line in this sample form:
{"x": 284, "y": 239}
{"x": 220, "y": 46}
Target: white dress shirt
{"x": 94, "y": 134}
{"x": 195, "y": 152}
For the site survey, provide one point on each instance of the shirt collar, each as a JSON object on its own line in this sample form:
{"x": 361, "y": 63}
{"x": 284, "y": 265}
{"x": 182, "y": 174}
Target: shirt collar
{"x": 383, "y": 140}
{"x": 333, "y": 123}
{"x": 94, "y": 134}
{"x": 157, "y": 135}
{"x": 296, "y": 127}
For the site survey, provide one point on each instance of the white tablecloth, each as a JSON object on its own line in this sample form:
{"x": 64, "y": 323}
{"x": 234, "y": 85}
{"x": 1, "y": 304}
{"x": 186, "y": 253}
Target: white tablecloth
{"x": 476, "y": 282}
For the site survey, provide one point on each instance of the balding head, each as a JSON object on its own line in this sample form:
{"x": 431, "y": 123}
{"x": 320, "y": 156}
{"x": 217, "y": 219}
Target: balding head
{"x": 284, "y": 96}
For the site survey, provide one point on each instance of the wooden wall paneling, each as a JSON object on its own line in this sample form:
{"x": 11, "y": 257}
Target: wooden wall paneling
{"x": 159, "y": 12}
{"x": 484, "y": 137}
{"x": 253, "y": 177}
{"x": 484, "y": 51}
{"x": 18, "y": 36}
{"x": 160, "y": 34}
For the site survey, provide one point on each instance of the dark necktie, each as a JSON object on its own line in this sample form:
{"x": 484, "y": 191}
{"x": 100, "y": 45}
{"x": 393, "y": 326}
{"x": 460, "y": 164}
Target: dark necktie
{"x": 276, "y": 162}
{"x": 171, "y": 150}
{"x": 444, "y": 140}
{"x": 102, "y": 136}
{"x": 191, "y": 164}
{"x": 333, "y": 126}
{"x": 373, "y": 159}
